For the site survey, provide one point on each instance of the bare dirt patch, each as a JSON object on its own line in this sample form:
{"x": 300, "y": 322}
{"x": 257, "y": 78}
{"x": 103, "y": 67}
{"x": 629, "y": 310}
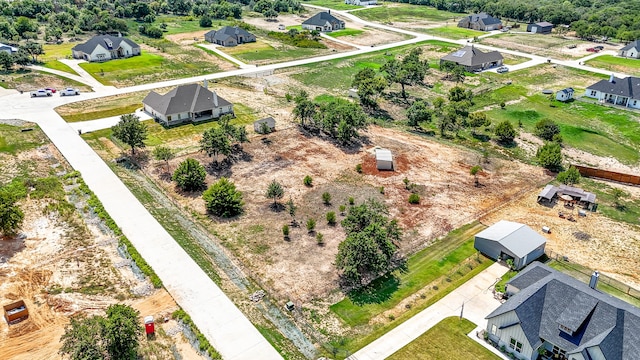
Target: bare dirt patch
{"x": 544, "y": 45}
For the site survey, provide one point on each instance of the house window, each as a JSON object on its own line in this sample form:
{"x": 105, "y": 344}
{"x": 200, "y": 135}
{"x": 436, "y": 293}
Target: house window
{"x": 557, "y": 351}
{"x": 593, "y": 93}
{"x": 179, "y": 116}
{"x": 515, "y": 345}
{"x": 494, "y": 329}
{"x": 169, "y": 118}
{"x": 566, "y": 329}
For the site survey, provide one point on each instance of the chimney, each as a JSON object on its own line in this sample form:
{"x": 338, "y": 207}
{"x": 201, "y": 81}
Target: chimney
{"x": 593, "y": 283}
{"x": 215, "y": 99}
{"x": 205, "y": 84}
{"x": 611, "y": 78}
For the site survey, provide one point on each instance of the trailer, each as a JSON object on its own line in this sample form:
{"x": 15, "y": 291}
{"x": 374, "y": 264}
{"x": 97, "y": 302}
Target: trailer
{"x": 15, "y": 312}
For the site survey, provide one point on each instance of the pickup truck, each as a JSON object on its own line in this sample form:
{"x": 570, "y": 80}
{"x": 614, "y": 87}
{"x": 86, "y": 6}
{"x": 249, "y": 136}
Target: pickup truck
{"x": 69, "y": 92}
{"x": 40, "y": 93}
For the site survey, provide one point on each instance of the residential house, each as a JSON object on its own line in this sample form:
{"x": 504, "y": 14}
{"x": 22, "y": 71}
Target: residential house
{"x": 361, "y": 2}
{"x": 565, "y": 94}
{"x": 324, "y": 22}
{"x": 481, "y": 22}
{"x": 542, "y": 27}
{"x": 8, "y": 48}
{"x": 186, "y": 104}
{"x": 105, "y": 47}
{"x": 558, "y": 317}
{"x": 510, "y": 240}
{"x": 632, "y": 50}
{"x": 473, "y": 59}
{"x": 229, "y": 36}
{"x": 624, "y": 92}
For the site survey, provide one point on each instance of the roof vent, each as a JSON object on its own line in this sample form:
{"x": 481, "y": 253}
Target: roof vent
{"x": 611, "y": 78}
{"x": 593, "y": 283}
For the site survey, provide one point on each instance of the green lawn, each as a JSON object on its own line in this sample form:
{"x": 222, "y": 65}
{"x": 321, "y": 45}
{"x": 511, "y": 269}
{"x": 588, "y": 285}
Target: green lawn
{"x": 55, "y": 52}
{"x": 261, "y": 51}
{"x": 500, "y": 286}
{"x": 606, "y": 202}
{"x": 345, "y": 32}
{"x": 615, "y": 63}
{"x": 99, "y": 114}
{"x": 447, "y": 340}
{"x": 331, "y": 4}
{"x": 57, "y": 65}
{"x": 453, "y": 32}
{"x": 405, "y": 13}
{"x": 13, "y": 140}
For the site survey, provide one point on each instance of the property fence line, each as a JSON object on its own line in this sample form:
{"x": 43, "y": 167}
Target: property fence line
{"x": 609, "y": 175}
{"x": 584, "y": 274}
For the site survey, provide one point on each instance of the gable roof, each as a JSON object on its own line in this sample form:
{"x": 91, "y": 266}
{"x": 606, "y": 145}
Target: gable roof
{"x": 107, "y": 41}
{"x": 544, "y": 24}
{"x": 631, "y": 45}
{"x": 517, "y": 238}
{"x": 486, "y": 18}
{"x": 555, "y": 299}
{"x": 185, "y": 98}
{"x": 271, "y": 122}
{"x": 490, "y": 20}
{"x": 567, "y": 90}
{"x": 228, "y": 31}
{"x": 11, "y": 48}
{"x": 627, "y": 87}
{"x": 321, "y": 18}
{"x": 470, "y": 56}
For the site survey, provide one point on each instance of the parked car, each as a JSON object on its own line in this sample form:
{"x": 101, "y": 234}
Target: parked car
{"x": 53, "y": 91}
{"x": 593, "y": 50}
{"x": 502, "y": 69}
{"x": 599, "y": 47}
{"x": 40, "y": 93}
{"x": 69, "y": 92}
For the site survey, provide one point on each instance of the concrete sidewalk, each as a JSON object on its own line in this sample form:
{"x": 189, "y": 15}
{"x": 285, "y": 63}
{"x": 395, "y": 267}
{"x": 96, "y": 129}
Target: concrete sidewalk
{"x": 478, "y": 302}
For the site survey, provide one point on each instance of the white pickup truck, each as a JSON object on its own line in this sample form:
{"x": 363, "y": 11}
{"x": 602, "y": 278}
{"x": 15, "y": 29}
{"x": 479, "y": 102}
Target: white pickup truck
{"x": 69, "y": 92}
{"x": 40, "y": 93}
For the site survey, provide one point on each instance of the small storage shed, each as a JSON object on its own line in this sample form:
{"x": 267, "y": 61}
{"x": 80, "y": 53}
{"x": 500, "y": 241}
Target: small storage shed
{"x": 270, "y": 125}
{"x": 565, "y": 94}
{"x": 510, "y": 240}
{"x": 540, "y": 28}
{"x": 384, "y": 159}
{"x": 15, "y": 311}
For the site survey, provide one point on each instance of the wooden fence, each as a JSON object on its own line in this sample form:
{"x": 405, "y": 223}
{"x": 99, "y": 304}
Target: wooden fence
{"x": 609, "y": 175}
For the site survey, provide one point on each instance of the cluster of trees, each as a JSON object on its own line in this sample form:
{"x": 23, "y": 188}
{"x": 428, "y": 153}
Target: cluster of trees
{"x": 222, "y": 140}
{"x": 302, "y": 39}
{"x": 338, "y": 118}
{"x": 271, "y": 9}
{"x": 371, "y": 246}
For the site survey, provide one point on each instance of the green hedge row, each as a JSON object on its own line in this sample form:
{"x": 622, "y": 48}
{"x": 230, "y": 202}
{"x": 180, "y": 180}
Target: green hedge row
{"x": 98, "y": 208}
{"x": 205, "y": 346}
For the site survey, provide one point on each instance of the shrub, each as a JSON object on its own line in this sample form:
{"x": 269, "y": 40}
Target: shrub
{"x": 311, "y": 225}
{"x": 326, "y": 198}
{"x": 288, "y": 97}
{"x": 285, "y": 230}
{"x": 308, "y": 181}
{"x": 205, "y": 21}
{"x": 190, "y": 175}
{"x": 549, "y": 156}
{"x": 222, "y": 199}
{"x": 351, "y": 201}
{"x": 569, "y": 177}
{"x": 546, "y": 129}
{"x": 505, "y": 132}
{"x": 381, "y": 189}
{"x": 359, "y": 168}
{"x": 342, "y": 209}
{"x": 331, "y": 218}
{"x": 320, "y": 238}
{"x": 414, "y": 199}
{"x": 502, "y": 105}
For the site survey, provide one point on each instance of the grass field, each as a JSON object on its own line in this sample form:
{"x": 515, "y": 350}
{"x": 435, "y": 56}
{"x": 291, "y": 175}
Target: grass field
{"x": 453, "y": 32}
{"x": 13, "y": 140}
{"x": 405, "y": 13}
{"x": 261, "y": 51}
{"x": 447, "y": 340}
{"x": 345, "y": 32}
{"x": 606, "y": 202}
{"x": 55, "y": 52}
{"x": 331, "y": 4}
{"x": 99, "y": 114}
{"x": 615, "y": 63}
{"x": 57, "y": 65}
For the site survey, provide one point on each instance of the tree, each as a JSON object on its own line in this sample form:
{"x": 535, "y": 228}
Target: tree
{"x": 83, "y": 338}
{"x": 369, "y": 85}
{"x": 190, "y": 175}
{"x": 122, "y": 331}
{"x": 305, "y": 109}
{"x": 205, "y": 21}
{"x": 163, "y": 153}
{"x": 474, "y": 172}
{"x": 326, "y": 198}
{"x": 222, "y": 199}
{"x": 478, "y": 119}
{"x": 370, "y": 249}
{"x": 130, "y": 131}
{"x": 546, "y": 129}
{"x": 11, "y": 216}
{"x": 505, "y": 132}
{"x": 570, "y": 176}
{"x": 549, "y": 156}
{"x": 331, "y": 218}
{"x": 408, "y": 71}
{"x": 270, "y": 14}
{"x": 6, "y": 60}
{"x": 22, "y": 57}
{"x": 275, "y": 192}
{"x": 214, "y": 142}
{"x": 418, "y": 113}
{"x": 311, "y": 225}
{"x": 292, "y": 208}
{"x": 34, "y": 49}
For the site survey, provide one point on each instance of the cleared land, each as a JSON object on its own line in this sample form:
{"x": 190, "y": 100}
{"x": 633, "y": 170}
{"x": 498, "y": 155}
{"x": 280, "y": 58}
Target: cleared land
{"x": 267, "y": 51}
{"x": 447, "y": 340}
{"x": 615, "y": 63}
{"x": 453, "y": 32}
{"x": 403, "y": 15}
{"x": 332, "y": 4}
{"x": 27, "y": 80}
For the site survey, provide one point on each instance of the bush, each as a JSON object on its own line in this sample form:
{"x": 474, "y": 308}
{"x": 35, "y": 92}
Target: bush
{"x": 546, "y": 129}
{"x": 320, "y": 238}
{"x": 359, "y": 168}
{"x": 331, "y": 218}
{"x": 414, "y": 199}
{"x": 326, "y": 198}
{"x": 307, "y": 181}
{"x": 311, "y": 225}
{"x": 502, "y": 105}
{"x": 351, "y": 201}
{"x": 505, "y": 132}
{"x": 342, "y": 209}
{"x": 205, "y": 21}
{"x": 569, "y": 177}
{"x": 285, "y": 230}
{"x": 549, "y": 156}
{"x": 222, "y": 199}
{"x": 190, "y": 175}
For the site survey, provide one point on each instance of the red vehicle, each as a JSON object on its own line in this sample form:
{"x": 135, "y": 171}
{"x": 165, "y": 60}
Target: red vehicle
{"x": 593, "y": 50}
{"x": 53, "y": 91}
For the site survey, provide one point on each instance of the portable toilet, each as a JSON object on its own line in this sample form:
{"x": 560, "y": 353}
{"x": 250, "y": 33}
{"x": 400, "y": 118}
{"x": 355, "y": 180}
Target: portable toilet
{"x": 149, "y": 326}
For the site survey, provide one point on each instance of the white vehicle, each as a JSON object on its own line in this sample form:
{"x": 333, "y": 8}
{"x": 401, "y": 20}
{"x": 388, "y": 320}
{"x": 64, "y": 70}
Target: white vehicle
{"x": 69, "y": 92}
{"x": 502, "y": 69}
{"x": 40, "y": 93}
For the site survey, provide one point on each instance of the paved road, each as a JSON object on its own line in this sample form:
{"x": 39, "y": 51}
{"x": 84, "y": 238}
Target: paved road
{"x": 88, "y": 79}
{"x": 478, "y": 302}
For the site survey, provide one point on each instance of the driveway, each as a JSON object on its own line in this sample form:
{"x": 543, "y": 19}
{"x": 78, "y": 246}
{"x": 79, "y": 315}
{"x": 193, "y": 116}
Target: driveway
{"x": 104, "y": 123}
{"x": 478, "y": 302}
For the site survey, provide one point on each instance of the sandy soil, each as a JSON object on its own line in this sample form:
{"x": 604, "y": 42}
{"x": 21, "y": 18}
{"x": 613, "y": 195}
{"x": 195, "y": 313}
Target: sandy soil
{"x": 546, "y": 45}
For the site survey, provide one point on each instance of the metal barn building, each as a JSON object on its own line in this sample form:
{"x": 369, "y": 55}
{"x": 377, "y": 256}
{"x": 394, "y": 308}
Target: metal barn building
{"x": 510, "y": 240}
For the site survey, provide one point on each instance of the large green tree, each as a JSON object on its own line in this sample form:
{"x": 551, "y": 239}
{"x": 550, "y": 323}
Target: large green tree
{"x": 408, "y": 71}
{"x": 369, "y": 85}
{"x": 549, "y": 156}
{"x": 130, "y": 131}
{"x": 418, "y": 113}
{"x": 222, "y": 199}
{"x": 215, "y": 142}
{"x": 505, "y": 132}
{"x": 190, "y": 175}
{"x": 11, "y": 216}
{"x": 305, "y": 109}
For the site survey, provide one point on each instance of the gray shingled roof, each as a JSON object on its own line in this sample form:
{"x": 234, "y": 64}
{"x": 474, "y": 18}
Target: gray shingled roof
{"x": 631, "y": 45}
{"x": 486, "y": 18}
{"x": 470, "y": 56}
{"x": 321, "y": 18}
{"x": 518, "y": 238}
{"x": 184, "y": 98}
{"x": 490, "y": 20}
{"x": 544, "y": 24}
{"x": 228, "y": 31}
{"x": 103, "y": 40}
{"x": 526, "y": 278}
{"x": 558, "y": 298}
{"x": 627, "y": 87}
{"x": 271, "y": 122}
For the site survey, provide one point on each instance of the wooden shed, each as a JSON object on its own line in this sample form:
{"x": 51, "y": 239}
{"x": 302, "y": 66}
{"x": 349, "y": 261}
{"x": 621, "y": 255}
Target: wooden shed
{"x": 15, "y": 311}
{"x": 384, "y": 159}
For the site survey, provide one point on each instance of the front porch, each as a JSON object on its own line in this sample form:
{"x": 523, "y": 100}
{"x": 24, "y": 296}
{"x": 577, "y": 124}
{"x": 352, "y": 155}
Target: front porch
{"x": 548, "y": 351}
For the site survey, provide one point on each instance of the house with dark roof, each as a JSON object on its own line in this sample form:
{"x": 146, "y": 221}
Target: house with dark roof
{"x": 473, "y": 59}
{"x": 542, "y": 27}
{"x": 8, "y": 48}
{"x": 361, "y": 2}
{"x": 105, "y": 47}
{"x": 632, "y": 50}
{"x": 229, "y": 36}
{"x": 559, "y": 317}
{"x": 323, "y": 22}
{"x": 186, "y": 104}
{"x": 565, "y": 94}
{"x": 510, "y": 240}
{"x": 481, "y": 22}
{"x": 623, "y": 92}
